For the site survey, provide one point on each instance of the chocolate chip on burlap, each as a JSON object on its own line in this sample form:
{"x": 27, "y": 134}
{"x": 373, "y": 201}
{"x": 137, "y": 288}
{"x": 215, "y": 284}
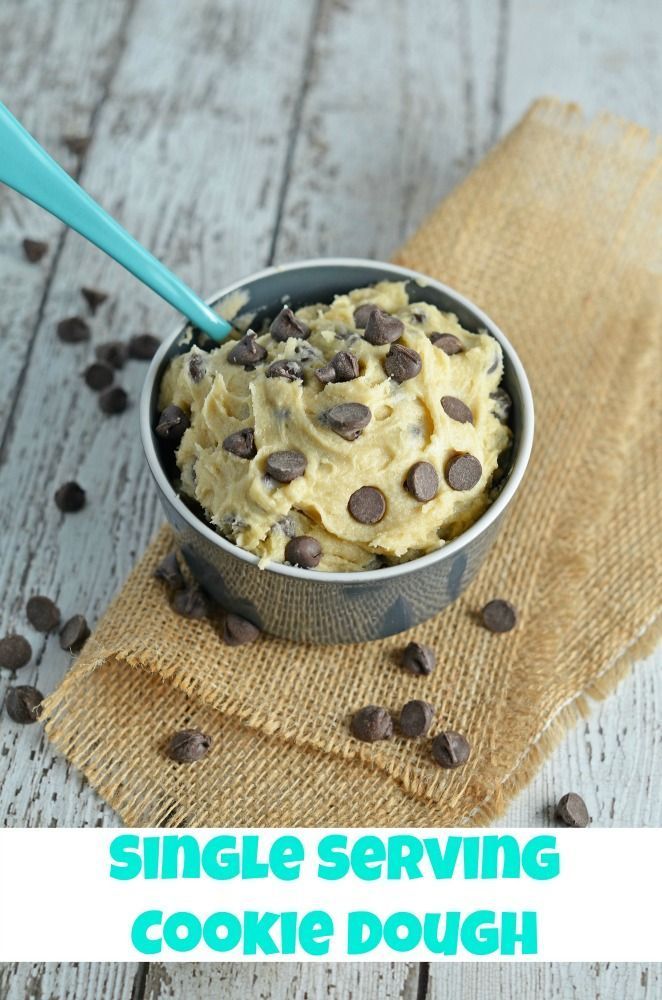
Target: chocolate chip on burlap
{"x": 112, "y": 352}
{"x": 418, "y": 659}
{"x": 285, "y": 466}
{"x": 367, "y": 505}
{"x": 463, "y": 472}
{"x": 73, "y": 330}
{"x": 190, "y": 603}
{"x": 287, "y": 325}
{"x": 42, "y": 613}
{"x": 416, "y": 718}
{"x": 450, "y": 750}
{"x": 571, "y": 811}
{"x": 247, "y": 351}
{"x": 422, "y": 481}
{"x": 303, "y": 551}
{"x": 383, "y": 328}
{"x": 362, "y": 314}
{"x": 15, "y": 651}
{"x": 22, "y": 703}
{"x": 197, "y": 368}
{"x": 172, "y": 424}
{"x": 290, "y": 370}
{"x": 94, "y": 298}
{"x": 457, "y": 410}
{"x": 402, "y": 363}
{"x": 343, "y": 367}
{"x": 372, "y": 723}
{"x": 74, "y": 633}
{"x": 143, "y": 346}
{"x": 113, "y": 400}
{"x": 70, "y": 497}
{"x": 447, "y": 342}
{"x": 238, "y": 631}
{"x": 34, "y": 250}
{"x": 99, "y": 375}
{"x": 241, "y": 443}
{"x": 168, "y": 570}
{"x": 187, "y": 746}
{"x": 499, "y": 615}
{"x": 347, "y": 420}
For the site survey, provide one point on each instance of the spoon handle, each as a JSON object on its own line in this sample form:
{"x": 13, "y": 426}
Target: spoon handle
{"x": 27, "y": 167}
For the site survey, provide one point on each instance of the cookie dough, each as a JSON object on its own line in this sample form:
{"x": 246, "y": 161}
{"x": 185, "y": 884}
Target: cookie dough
{"x": 368, "y": 426}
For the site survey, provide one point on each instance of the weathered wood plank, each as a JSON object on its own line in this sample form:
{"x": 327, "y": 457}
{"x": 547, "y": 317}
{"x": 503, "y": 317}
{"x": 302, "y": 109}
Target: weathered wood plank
{"x": 603, "y": 980}
{"x": 68, "y": 981}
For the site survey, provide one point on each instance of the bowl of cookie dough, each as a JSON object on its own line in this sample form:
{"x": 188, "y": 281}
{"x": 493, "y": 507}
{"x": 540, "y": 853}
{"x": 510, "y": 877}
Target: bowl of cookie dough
{"x": 337, "y": 471}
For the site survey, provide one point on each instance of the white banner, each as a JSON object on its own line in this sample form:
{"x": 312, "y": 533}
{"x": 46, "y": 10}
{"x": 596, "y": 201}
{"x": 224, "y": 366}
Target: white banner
{"x": 330, "y": 895}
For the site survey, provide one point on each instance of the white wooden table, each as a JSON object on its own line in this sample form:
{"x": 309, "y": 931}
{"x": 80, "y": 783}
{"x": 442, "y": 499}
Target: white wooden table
{"x": 227, "y": 135}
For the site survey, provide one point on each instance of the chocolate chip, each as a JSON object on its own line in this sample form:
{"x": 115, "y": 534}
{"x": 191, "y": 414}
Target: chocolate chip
{"x": 418, "y": 315}
{"x": 247, "y": 351}
{"x": 73, "y": 330}
{"x": 372, "y": 723}
{"x": 99, "y": 375}
{"x": 326, "y": 374}
{"x": 422, "y": 481}
{"x": 362, "y": 314}
{"x": 457, "y": 410}
{"x": 303, "y": 551}
{"x": 450, "y": 750}
{"x": 238, "y": 631}
{"x": 22, "y": 703}
{"x": 571, "y": 811}
{"x": 168, "y": 570}
{"x": 419, "y": 659}
{"x": 70, "y": 497}
{"x": 499, "y": 616}
{"x": 284, "y": 466}
{"x": 382, "y": 328}
{"x": 343, "y": 367}
{"x": 463, "y": 472}
{"x": 172, "y": 424}
{"x": 348, "y": 419}
{"x": 197, "y": 368}
{"x": 402, "y": 363}
{"x": 290, "y": 370}
{"x": 73, "y": 633}
{"x": 502, "y": 404}
{"x": 15, "y": 652}
{"x": 416, "y": 718}
{"x": 34, "y": 250}
{"x": 77, "y": 144}
{"x": 241, "y": 443}
{"x": 447, "y": 342}
{"x": 367, "y": 505}
{"x": 187, "y": 746}
{"x": 287, "y": 325}
{"x": 113, "y": 400}
{"x": 143, "y": 346}
{"x": 43, "y": 614}
{"x": 190, "y": 603}
{"x": 113, "y": 353}
{"x": 94, "y": 298}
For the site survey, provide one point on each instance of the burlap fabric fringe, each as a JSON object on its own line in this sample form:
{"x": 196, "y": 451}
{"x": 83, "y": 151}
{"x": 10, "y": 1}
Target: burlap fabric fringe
{"x": 556, "y": 234}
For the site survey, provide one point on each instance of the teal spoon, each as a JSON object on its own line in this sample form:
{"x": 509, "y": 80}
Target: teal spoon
{"x": 28, "y": 168}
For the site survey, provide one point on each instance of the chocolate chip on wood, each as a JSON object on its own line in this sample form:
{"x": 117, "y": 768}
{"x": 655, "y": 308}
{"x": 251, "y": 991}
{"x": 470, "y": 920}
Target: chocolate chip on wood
{"x": 238, "y": 631}
{"x": 241, "y": 443}
{"x": 99, "y": 375}
{"x": 143, "y": 346}
{"x": 402, "y": 363}
{"x": 168, "y": 570}
{"x": 367, "y": 505}
{"x": 447, "y": 342}
{"x": 416, "y": 718}
{"x": 499, "y": 615}
{"x": 113, "y": 400}
{"x": 34, "y": 250}
{"x": 372, "y": 723}
{"x": 457, "y": 410}
{"x": 74, "y": 633}
{"x": 422, "y": 481}
{"x": 172, "y": 424}
{"x": 382, "y": 328}
{"x": 571, "y": 811}
{"x": 94, "y": 298}
{"x": 22, "y": 703}
{"x": 285, "y": 466}
{"x": 287, "y": 325}
{"x": 418, "y": 659}
{"x": 348, "y": 419}
{"x": 450, "y": 750}
{"x": 42, "y": 613}
{"x": 70, "y": 497}
{"x": 15, "y": 652}
{"x": 303, "y": 551}
{"x": 187, "y": 746}
{"x": 463, "y": 472}
{"x": 247, "y": 351}
{"x": 112, "y": 352}
{"x": 73, "y": 330}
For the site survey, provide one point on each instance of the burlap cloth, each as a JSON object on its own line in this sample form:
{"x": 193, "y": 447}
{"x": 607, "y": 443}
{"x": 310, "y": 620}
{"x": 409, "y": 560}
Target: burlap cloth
{"x": 556, "y": 235}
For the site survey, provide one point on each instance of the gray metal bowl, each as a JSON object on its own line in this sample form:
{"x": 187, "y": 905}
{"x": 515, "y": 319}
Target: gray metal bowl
{"x": 309, "y": 605}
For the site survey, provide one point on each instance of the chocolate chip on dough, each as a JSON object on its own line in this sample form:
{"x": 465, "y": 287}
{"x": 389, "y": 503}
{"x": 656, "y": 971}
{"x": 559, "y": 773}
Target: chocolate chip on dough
{"x": 113, "y": 353}
{"x": 343, "y": 367}
{"x": 463, "y": 472}
{"x": 416, "y": 718}
{"x": 190, "y": 603}
{"x": 172, "y": 424}
{"x": 73, "y": 330}
{"x": 34, "y": 250}
{"x": 571, "y": 811}
{"x": 22, "y": 703}
{"x": 303, "y": 551}
{"x": 502, "y": 404}
{"x": 168, "y": 570}
{"x": 362, "y": 314}
{"x": 197, "y": 368}
{"x": 238, "y": 631}
{"x": 143, "y": 346}
{"x": 98, "y": 375}
{"x": 372, "y": 723}
{"x": 402, "y": 363}
{"x": 367, "y": 505}
{"x": 457, "y": 410}
{"x": 285, "y": 466}
{"x": 348, "y": 419}
{"x": 418, "y": 659}
{"x": 70, "y": 497}
{"x": 187, "y": 746}
{"x": 422, "y": 481}
{"x": 42, "y": 613}
{"x": 15, "y": 652}
{"x": 447, "y": 342}
{"x": 450, "y": 750}
{"x": 94, "y": 298}
{"x": 499, "y": 616}
{"x": 74, "y": 633}
{"x": 287, "y": 325}
{"x": 287, "y": 369}
{"x": 247, "y": 351}
{"x": 113, "y": 400}
{"x": 241, "y": 443}
{"x": 383, "y": 328}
